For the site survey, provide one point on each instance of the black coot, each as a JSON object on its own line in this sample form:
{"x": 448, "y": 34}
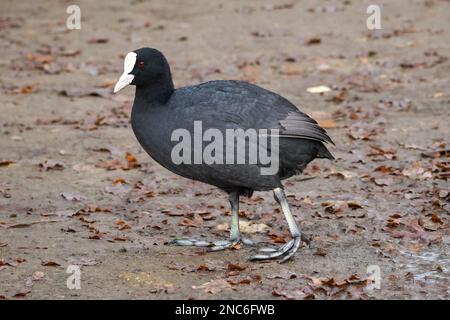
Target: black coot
{"x": 162, "y": 117}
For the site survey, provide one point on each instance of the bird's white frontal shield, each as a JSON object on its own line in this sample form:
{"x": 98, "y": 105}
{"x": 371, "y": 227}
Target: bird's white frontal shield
{"x": 126, "y": 78}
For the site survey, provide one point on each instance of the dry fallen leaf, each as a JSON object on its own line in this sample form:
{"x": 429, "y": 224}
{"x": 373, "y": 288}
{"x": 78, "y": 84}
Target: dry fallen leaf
{"x": 48, "y": 263}
{"x": 21, "y": 294}
{"x": 122, "y": 161}
{"x": 416, "y": 171}
{"x": 98, "y": 40}
{"x": 235, "y": 267}
{"x": 344, "y": 174}
{"x": 312, "y": 41}
{"x": 245, "y": 227}
{"x": 36, "y": 276}
{"x": 11, "y": 262}
{"x": 320, "y": 252}
{"x": 411, "y": 228}
{"x": 294, "y": 293}
{"x": 327, "y": 123}
{"x": 6, "y": 163}
{"x": 214, "y": 286}
{"x": 339, "y": 208}
{"x": 376, "y": 150}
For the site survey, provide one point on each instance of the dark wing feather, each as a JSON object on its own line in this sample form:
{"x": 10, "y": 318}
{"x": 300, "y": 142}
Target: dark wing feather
{"x": 300, "y": 125}
{"x": 245, "y": 105}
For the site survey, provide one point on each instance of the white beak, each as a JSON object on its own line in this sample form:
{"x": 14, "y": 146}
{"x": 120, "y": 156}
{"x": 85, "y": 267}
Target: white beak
{"x": 126, "y": 78}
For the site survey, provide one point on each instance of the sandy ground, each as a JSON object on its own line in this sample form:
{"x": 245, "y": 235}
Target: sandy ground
{"x": 69, "y": 195}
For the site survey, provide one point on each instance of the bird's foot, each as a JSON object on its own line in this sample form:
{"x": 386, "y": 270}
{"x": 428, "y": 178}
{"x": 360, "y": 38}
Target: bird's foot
{"x": 214, "y": 245}
{"x": 284, "y": 253}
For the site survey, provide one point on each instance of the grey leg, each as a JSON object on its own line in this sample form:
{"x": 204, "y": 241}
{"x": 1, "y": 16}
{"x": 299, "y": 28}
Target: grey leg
{"x": 286, "y": 251}
{"x": 235, "y": 234}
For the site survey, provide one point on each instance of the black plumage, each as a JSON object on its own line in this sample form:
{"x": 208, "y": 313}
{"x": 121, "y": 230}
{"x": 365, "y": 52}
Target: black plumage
{"x": 159, "y": 109}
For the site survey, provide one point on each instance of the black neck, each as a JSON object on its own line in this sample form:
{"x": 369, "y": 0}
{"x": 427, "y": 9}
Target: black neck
{"x": 157, "y": 92}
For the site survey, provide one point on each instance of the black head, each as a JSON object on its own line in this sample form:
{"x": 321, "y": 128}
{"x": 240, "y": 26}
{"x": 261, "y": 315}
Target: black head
{"x": 145, "y": 67}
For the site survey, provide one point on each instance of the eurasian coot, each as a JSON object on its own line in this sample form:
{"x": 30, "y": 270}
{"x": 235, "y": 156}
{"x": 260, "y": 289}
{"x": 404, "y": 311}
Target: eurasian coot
{"x": 257, "y": 122}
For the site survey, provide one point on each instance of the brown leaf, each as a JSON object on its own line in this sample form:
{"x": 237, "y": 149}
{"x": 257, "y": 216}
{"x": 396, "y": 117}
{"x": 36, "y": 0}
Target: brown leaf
{"x": 337, "y": 208}
{"x": 411, "y": 229}
{"x": 277, "y": 238}
{"x": 235, "y": 267}
{"x": 122, "y": 161}
{"x": 387, "y": 181}
{"x": 416, "y": 171}
{"x": 70, "y": 53}
{"x": 278, "y": 6}
{"x": 52, "y": 67}
{"x": 246, "y": 227}
{"x": 387, "y": 170}
{"x": 41, "y": 58}
{"x": 98, "y": 40}
{"x": 6, "y": 163}
{"x": 293, "y": 294}
{"x": 341, "y": 174}
{"x": 125, "y": 227}
{"x": 327, "y": 123}
{"x": 376, "y": 150}
{"x": 243, "y": 281}
{"x": 312, "y": 41}
{"x": 191, "y": 222}
{"x": 120, "y": 180}
{"x": 354, "y": 205}
{"x": 320, "y": 252}
{"x": 204, "y": 267}
{"x": 290, "y": 69}
{"x": 120, "y": 222}
{"x": 21, "y": 294}
{"x": 340, "y": 97}
{"x": 11, "y": 262}
{"x": 37, "y": 275}
{"x": 132, "y": 161}
{"x": 48, "y": 263}
{"x": 436, "y": 219}
{"x": 213, "y": 286}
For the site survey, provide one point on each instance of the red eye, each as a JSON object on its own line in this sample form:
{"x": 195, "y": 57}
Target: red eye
{"x": 141, "y": 64}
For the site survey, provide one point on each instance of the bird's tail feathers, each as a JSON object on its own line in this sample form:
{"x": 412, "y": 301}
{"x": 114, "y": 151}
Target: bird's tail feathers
{"x": 323, "y": 152}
